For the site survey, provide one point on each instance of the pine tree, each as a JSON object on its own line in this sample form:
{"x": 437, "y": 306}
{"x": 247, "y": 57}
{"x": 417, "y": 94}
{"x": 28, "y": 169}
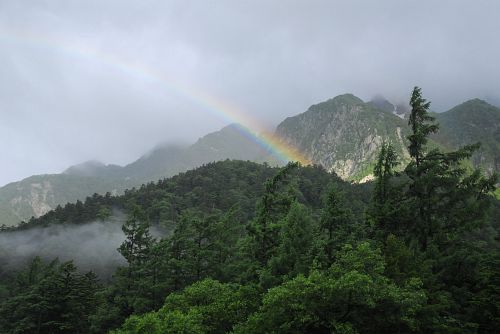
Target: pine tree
{"x": 138, "y": 240}
{"x": 385, "y": 209}
{"x": 442, "y": 197}
{"x": 336, "y": 225}
{"x": 273, "y": 207}
{"x": 421, "y": 124}
{"x": 136, "y": 249}
{"x": 294, "y": 252}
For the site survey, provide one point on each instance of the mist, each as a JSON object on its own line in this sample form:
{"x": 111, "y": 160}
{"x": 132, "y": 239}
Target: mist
{"x": 92, "y": 246}
{"x": 77, "y": 78}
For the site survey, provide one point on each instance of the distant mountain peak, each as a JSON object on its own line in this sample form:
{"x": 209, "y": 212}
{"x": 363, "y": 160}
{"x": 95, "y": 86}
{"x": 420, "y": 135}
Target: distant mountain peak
{"x": 343, "y": 134}
{"x": 348, "y": 98}
{"x": 476, "y": 101}
{"x": 380, "y": 102}
{"x": 87, "y": 167}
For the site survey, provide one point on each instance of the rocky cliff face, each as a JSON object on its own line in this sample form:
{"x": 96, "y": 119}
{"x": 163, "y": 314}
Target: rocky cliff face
{"x": 344, "y": 135}
{"x": 36, "y": 195}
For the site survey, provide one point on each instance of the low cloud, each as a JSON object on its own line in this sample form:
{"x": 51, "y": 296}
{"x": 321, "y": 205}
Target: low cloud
{"x": 91, "y": 246}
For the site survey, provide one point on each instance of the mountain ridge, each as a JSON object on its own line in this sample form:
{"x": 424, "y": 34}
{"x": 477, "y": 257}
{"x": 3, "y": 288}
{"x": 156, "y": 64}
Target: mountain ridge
{"x": 343, "y": 134}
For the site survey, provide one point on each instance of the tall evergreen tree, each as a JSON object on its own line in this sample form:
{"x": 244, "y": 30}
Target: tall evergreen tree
{"x": 421, "y": 124}
{"x": 134, "y": 279}
{"x": 385, "y": 210}
{"x": 337, "y": 224}
{"x": 443, "y": 199}
{"x": 273, "y": 207}
{"x": 294, "y": 252}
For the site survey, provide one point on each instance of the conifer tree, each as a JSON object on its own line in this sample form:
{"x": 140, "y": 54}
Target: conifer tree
{"x": 442, "y": 197}
{"x": 136, "y": 249}
{"x": 273, "y": 207}
{"x": 294, "y": 252}
{"x": 336, "y": 225}
{"x": 385, "y": 209}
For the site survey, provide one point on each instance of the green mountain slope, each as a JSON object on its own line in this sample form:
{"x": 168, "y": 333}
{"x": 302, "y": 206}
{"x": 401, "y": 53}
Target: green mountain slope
{"x": 214, "y": 186}
{"x": 344, "y": 134}
{"x": 38, "y": 194}
{"x": 470, "y": 122}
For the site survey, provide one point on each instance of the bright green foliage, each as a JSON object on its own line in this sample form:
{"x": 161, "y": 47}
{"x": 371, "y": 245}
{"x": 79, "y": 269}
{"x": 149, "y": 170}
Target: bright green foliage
{"x": 342, "y": 299}
{"x": 207, "y": 306}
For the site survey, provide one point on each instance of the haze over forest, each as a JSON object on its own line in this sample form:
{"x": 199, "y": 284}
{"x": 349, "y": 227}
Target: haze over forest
{"x": 249, "y": 167}
{"x": 79, "y": 80}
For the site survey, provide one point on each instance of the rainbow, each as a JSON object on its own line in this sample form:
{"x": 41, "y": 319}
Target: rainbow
{"x": 249, "y": 127}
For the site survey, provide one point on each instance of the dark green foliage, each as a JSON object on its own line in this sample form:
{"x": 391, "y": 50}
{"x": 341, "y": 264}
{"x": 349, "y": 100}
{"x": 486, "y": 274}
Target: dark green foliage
{"x": 337, "y": 226}
{"x": 421, "y": 124}
{"x": 49, "y": 298}
{"x": 442, "y": 199}
{"x": 385, "y": 210}
{"x": 342, "y": 299}
{"x": 303, "y": 252}
{"x": 273, "y": 207}
{"x": 438, "y": 203}
{"x": 468, "y": 123}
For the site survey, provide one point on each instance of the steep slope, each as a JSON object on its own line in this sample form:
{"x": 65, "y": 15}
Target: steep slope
{"x": 81, "y": 232}
{"x": 399, "y": 109}
{"x": 38, "y": 194}
{"x": 228, "y": 143}
{"x": 213, "y": 186}
{"x": 344, "y": 134}
{"x": 470, "y": 122}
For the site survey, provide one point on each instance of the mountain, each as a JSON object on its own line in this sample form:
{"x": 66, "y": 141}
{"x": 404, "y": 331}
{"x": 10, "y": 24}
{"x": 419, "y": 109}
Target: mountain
{"x": 344, "y": 134}
{"x": 399, "y": 109}
{"x": 220, "y": 186}
{"x": 470, "y": 122}
{"x": 167, "y": 160}
{"x": 38, "y": 194}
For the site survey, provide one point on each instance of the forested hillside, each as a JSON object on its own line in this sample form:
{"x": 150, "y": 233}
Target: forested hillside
{"x": 246, "y": 248}
{"x": 36, "y": 195}
{"x": 471, "y": 122}
{"x": 343, "y": 134}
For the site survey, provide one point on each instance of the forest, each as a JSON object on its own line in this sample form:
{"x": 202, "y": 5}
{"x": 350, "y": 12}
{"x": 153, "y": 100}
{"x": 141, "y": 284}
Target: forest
{"x": 249, "y": 248}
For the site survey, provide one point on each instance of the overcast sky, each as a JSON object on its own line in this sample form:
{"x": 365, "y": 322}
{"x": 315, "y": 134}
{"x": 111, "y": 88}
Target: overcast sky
{"x": 108, "y": 80}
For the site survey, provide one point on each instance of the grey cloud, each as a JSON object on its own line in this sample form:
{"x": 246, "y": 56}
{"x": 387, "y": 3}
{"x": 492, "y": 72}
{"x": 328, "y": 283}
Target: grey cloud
{"x": 91, "y": 246}
{"x": 60, "y": 105}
